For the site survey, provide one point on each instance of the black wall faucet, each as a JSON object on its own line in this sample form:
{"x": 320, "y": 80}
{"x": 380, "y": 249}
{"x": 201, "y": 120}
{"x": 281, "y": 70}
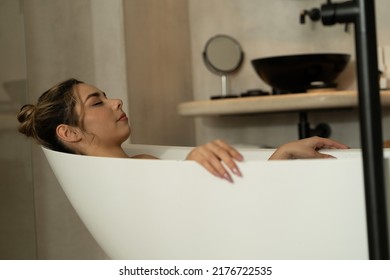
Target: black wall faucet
{"x": 331, "y": 13}
{"x": 362, "y": 14}
{"x": 344, "y": 12}
{"x": 314, "y": 14}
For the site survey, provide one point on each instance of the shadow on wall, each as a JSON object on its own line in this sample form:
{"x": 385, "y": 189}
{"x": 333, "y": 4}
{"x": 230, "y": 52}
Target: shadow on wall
{"x": 14, "y": 97}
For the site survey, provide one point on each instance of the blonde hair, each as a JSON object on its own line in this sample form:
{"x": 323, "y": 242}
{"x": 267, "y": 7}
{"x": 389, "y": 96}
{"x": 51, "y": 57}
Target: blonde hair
{"x": 54, "y": 107}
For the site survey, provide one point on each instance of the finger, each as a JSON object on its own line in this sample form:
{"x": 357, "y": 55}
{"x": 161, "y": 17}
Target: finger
{"x": 325, "y": 156}
{"x": 231, "y": 150}
{"x": 321, "y": 143}
{"x": 223, "y": 154}
{"x": 210, "y": 168}
{"x": 212, "y": 163}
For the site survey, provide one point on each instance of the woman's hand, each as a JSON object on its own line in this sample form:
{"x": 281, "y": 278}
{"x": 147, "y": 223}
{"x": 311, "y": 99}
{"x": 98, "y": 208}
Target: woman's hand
{"x": 211, "y": 156}
{"x": 306, "y": 148}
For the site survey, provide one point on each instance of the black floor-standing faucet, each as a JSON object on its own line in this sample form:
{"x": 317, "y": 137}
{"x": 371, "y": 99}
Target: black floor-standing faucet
{"x": 362, "y": 14}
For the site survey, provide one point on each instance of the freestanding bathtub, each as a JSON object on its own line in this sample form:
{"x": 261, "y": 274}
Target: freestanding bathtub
{"x": 174, "y": 209}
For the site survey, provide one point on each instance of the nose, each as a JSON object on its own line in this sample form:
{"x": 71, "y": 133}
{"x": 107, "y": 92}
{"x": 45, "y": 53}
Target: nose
{"x": 117, "y": 103}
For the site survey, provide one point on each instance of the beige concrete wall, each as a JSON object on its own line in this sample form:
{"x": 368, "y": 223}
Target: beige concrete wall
{"x": 17, "y": 219}
{"x": 158, "y": 71}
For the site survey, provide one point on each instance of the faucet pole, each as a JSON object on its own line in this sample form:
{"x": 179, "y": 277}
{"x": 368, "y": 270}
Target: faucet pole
{"x": 371, "y": 129}
{"x": 362, "y": 14}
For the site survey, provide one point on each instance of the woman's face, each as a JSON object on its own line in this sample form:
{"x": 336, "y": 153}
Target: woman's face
{"x": 103, "y": 121}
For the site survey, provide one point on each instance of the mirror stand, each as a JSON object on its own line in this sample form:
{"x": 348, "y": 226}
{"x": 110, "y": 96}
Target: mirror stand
{"x": 225, "y": 89}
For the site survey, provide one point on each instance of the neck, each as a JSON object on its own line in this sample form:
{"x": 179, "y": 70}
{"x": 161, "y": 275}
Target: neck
{"x": 117, "y": 152}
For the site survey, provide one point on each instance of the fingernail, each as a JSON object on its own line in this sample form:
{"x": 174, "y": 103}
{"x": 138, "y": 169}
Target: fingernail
{"x": 228, "y": 177}
{"x": 237, "y": 172}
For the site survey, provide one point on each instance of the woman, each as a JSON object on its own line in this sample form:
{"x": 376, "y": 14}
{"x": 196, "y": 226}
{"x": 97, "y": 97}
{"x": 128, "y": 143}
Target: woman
{"x": 75, "y": 117}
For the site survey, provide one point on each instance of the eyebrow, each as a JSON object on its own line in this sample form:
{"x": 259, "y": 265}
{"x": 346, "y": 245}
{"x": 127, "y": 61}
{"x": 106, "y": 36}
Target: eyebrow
{"x": 95, "y": 94}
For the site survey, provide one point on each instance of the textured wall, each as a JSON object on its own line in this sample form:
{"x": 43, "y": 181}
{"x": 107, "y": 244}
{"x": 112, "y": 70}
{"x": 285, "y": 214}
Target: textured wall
{"x": 158, "y": 70}
{"x": 17, "y": 219}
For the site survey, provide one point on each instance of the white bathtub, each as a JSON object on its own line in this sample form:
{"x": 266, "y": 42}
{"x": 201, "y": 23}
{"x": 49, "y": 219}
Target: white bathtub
{"x": 174, "y": 209}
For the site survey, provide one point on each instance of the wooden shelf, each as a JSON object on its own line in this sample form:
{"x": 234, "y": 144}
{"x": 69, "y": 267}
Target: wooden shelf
{"x": 275, "y": 103}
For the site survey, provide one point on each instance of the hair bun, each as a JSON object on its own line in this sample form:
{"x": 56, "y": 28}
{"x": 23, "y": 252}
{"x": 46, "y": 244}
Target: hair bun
{"x": 26, "y": 118}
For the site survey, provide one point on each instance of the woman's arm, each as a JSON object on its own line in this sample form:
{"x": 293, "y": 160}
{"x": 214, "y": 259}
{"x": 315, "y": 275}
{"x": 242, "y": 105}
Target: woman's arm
{"x": 306, "y": 148}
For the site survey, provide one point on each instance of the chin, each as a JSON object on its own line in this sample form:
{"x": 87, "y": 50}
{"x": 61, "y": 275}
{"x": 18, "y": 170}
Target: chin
{"x": 127, "y": 135}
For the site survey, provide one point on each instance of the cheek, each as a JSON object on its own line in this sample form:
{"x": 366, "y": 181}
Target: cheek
{"x": 94, "y": 122}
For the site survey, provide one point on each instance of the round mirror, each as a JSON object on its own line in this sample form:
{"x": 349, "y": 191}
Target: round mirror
{"x": 223, "y": 55}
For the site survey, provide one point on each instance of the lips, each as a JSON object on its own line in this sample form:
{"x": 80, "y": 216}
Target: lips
{"x": 123, "y": 117}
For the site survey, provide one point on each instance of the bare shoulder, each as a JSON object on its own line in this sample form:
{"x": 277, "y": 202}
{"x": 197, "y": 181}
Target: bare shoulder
{"x": 144, "y": 156}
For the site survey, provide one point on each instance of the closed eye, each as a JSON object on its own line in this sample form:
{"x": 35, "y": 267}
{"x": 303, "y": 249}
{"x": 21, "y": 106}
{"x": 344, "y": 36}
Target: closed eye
{"x": 97, "y": 103}
{"x": 96, "y": 98}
